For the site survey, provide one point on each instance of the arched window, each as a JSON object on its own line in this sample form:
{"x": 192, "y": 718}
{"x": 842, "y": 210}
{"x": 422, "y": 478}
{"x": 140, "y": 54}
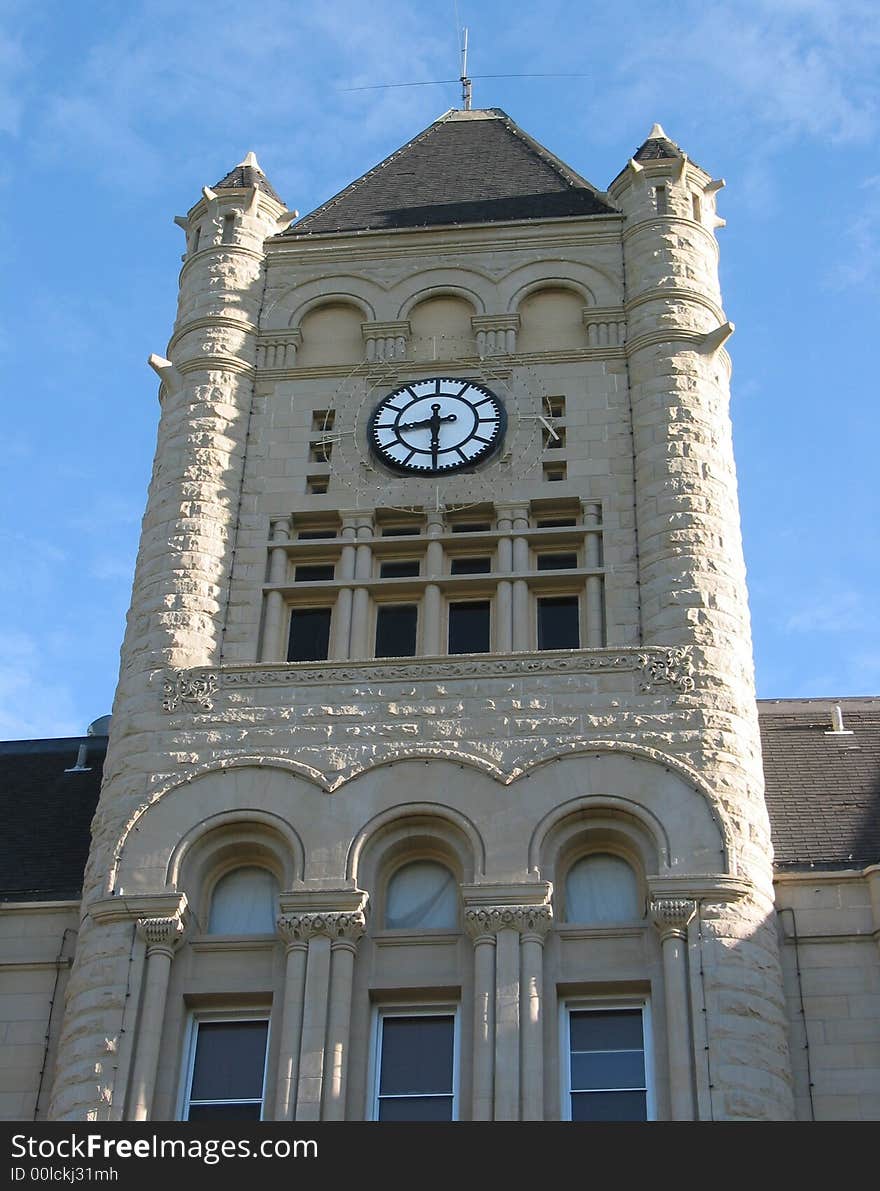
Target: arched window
{"x": 421, "y": 894}
{"x": 602, "y": 889}
{"x": 244, "y": 903}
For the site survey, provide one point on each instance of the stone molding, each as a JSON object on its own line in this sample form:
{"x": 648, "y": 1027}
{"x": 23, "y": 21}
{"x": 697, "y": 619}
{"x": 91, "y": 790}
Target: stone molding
{"x": 657, "y": 667}
{"x": 162, "y": 934}
{"x": 671, "y": 916}
{"x": 336, "y": 925}
{"x": 525, "y": 920}
{"x": 671, "y": 667}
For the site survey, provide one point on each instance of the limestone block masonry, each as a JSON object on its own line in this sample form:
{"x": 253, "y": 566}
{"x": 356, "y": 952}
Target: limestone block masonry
{"x": 500, "y": 764}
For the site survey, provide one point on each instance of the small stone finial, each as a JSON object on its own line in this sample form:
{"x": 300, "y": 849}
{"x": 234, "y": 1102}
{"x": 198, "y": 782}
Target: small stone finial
{"x": 250, "y": 159}
{"x": 657, "y": 133}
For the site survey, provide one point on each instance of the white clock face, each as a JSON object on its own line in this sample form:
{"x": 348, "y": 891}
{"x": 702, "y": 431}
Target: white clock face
{"x": 437, "y": 425}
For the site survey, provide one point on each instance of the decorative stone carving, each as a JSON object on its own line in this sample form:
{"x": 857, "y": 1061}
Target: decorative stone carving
{"x": 166, "y": 933}
{"x": 526, "y": 920}
{"x": 347, "y": 925}
{"x": 671, "y": 667}
{"x": 671, "y": 915}
{"x": 189, "y": 686}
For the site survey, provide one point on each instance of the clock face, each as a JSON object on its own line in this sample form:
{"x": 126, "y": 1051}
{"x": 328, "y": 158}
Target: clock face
{"x": 437, "y": 425}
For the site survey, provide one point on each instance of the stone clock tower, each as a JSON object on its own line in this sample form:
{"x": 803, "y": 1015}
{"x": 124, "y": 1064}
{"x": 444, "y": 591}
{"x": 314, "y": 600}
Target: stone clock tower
{"x": 434, "y": 786}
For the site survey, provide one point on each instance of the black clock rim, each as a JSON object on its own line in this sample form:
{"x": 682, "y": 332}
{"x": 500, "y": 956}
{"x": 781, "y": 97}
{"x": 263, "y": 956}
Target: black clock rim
{"x": 458, "y": 468}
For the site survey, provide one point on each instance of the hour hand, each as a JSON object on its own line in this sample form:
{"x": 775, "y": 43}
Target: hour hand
{"x": 432, "y": 421}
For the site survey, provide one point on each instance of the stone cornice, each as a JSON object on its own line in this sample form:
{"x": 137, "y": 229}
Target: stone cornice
{"x": 210, "y": 321}
{"x": 216, "y": 249}
{"x": 674, "y": 293}
{"x": 700, "y": 887}
{"x": 129, "y": 908}
{"x": 480, "y": 921}
{"x": 652, "y": 223}
{"x": 221, "y": 362}
{"x": 656, "y": 668}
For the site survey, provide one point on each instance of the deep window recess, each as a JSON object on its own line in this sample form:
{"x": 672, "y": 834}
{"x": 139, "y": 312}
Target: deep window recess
{"x": 227, "y": 1068}
{"x": 308, "y": 535}
{"x": 309, "y": 639}
{"x": 318, "y": 573}
{"x": 606, "y": 1065}
{"x": 660, "y": 197}
{"x": 469, "y": 627}
{"x": 317, "y": 485}
{"x": 422, "y": 894}
{"x": 399, "y": 531}
{"x": 470, "y": 566}
{"x": 415, "y": 1077}
{"x": 558, "y": 623}
{"x": 396, "y": 626}
{"x": 555, "y": 562}
{"x": 470, "y": 527}
{"x": 555, "y": 522}
{"x": 399, "y": 570}
{"x": 554, "y": 472}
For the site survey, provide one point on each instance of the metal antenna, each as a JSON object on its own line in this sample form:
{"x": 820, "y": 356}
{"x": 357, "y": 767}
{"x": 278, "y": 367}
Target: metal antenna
{"x": 464, "y": 80}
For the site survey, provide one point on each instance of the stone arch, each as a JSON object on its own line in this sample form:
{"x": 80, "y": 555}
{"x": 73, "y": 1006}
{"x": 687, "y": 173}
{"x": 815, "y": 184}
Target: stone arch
{"x": 551, "y": 316}
{"x": 443, "y": 284}
{"x": 145, "y": 846}
{"x": 441, "y": 326}
{"x": 290, "y": 306}
{"x": 331, "y": 332}
{"x": 404, "y": 752}
{"x": 411, "y": 825}
{"x": 597, "y": 286}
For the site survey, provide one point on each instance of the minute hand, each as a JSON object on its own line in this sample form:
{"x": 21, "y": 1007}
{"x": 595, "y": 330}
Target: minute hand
{"x": 433, "y": 421}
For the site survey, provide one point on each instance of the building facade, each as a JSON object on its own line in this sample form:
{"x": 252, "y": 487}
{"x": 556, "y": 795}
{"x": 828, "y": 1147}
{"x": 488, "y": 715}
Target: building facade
{"x": 434, "y": 786}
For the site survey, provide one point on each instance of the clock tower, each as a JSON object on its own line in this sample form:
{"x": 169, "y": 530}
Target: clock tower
{"x": 434, "y": 785}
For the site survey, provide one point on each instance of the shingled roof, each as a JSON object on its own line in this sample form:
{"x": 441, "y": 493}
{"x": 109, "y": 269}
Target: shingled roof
{"x": 822, "y": 787}
{"x": 245, "y": 176}
{"x": 47, "y": 805}
{"x": 467, "y": 167}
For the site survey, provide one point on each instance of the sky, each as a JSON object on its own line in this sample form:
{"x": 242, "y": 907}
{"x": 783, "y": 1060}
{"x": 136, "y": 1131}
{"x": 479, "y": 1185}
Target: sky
{"x": 114, "y": 114}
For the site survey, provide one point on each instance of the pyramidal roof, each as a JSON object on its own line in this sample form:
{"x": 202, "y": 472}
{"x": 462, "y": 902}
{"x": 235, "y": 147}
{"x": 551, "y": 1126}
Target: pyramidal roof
{"x": 657, "y": 146}
{"x": 246, "y": 175}
{"x": 466, "y": 167}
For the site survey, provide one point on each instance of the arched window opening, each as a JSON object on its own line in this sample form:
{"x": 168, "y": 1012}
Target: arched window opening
{"x": 601, "y": 890}
{"x": 244, "y": 903}
{"x": 422, "y": 894}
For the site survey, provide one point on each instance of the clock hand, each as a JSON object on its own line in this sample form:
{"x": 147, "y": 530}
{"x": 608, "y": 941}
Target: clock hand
{"x": 427, "y": 422}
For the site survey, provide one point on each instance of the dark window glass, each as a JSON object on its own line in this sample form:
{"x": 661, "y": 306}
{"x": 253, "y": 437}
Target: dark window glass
{"x": 396, "y": 630}
{"x": 555, "y": 562}
{"x": 471, "y": 527}
{"x": 469, "y": 627}
{"x": 399, "y": 570}
{"x": 314, "y": 574}
{"x": 607, "y": 1066}
{"x": 230, "y": 1057}
{"x": 558, "y": 626}
{"x": 309, "y": 635}
{"x": 399, "y": 531}
{"x": 225, "y": 1112}
{"x": 308, "y": 535}
{"x": 416, "y": 1108}
{"x": 416, "y": 1056}
{"x": 470, "y": 566}
{"x": 609, "y": 1106}
{"x": 556, "y": 522}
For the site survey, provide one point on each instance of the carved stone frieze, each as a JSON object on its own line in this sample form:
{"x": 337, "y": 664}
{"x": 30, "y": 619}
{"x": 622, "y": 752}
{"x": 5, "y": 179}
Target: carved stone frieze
{"x": 671, "y": 915}
{"x": 164, "y": 933}
{"x": 667, "y": 667}
{"x": 348, "y": 925}
{"x": 526, "y": 920}
{"x": 189, "y": 686}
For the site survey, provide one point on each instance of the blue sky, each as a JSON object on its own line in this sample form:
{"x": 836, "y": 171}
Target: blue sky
{"x": 113, "y": 115}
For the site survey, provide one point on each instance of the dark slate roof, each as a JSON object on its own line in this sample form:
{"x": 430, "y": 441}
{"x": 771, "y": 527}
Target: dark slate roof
{"x": 467, "y": 167}
{"x": 46, "y": 815}
{"x": 823, "y": 791}
{"x": 246, "y": 175}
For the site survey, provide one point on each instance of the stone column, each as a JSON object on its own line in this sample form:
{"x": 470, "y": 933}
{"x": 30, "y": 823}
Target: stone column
{"x": 522, "y": 636}
{"x": 595, "y": 611}
{"x": 516, "y": 1084}
{"x": 504, "y": 591}
{"x": 330, "y": 939}
{"x": 273, "y": 627}
{"x": 432, "y": 642}
{"x": 291, "y": 1018}
{"x": 484, "y": 1021}
{"x": 671, "y": 917}
{"x": 162, "y": 936}
{"x": 363, "y": 568}
{"x": 343, "y": 949}
{"x": 341, "y": 639}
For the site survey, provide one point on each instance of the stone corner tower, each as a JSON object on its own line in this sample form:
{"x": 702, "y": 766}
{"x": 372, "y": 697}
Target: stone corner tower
{"x": 435, "y": 725}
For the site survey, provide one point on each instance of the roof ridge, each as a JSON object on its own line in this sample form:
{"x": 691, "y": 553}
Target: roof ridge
{"x": 569, "y": 176}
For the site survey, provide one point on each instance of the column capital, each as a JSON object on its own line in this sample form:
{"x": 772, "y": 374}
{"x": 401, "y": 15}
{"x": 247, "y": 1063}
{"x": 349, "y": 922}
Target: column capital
{"x": 337, "y": 925}
{"x": 671, "y": 916}
{"x": 161, "y": 934}
{"x": 534, "y": 921}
